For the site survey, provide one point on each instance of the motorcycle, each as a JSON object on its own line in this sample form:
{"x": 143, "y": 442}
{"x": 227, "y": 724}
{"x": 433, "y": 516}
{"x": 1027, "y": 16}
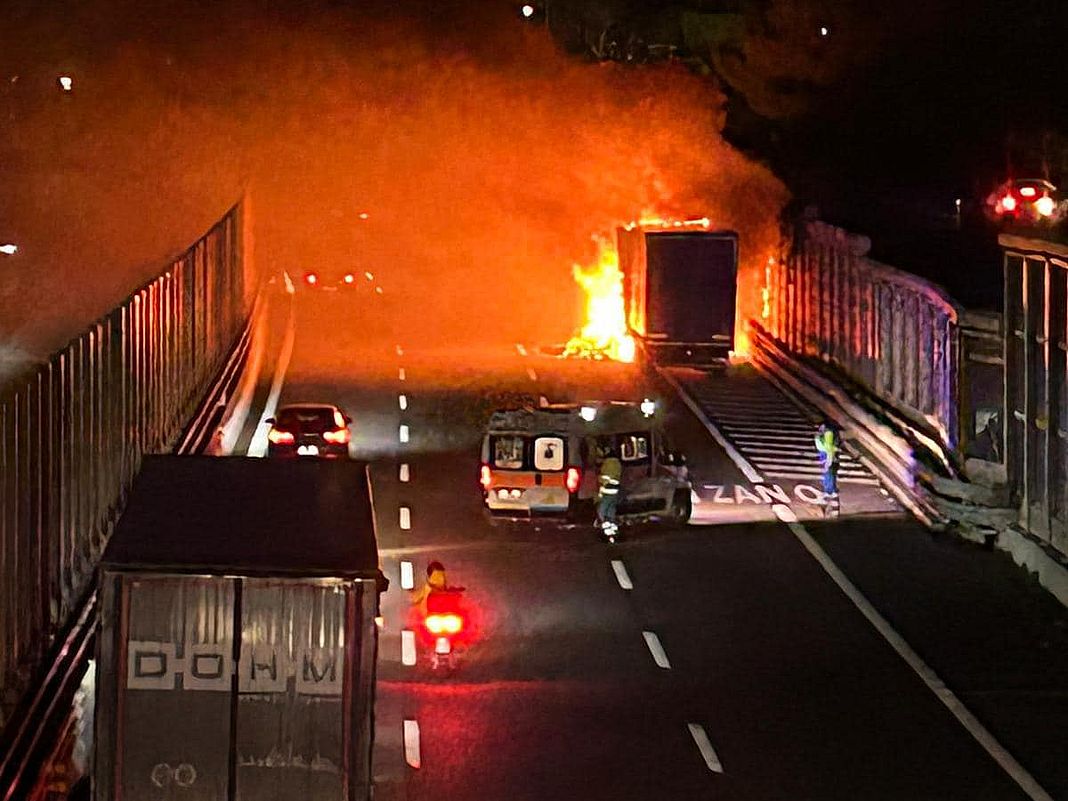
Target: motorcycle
{"x": 445, "y": 624}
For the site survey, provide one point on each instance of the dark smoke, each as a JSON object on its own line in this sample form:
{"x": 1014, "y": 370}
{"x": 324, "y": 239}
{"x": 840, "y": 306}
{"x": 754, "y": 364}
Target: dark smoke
{"x": 484, "y": 157}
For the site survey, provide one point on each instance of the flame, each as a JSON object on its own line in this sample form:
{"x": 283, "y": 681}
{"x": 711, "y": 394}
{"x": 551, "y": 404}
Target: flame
{"x": 605, "y": 333}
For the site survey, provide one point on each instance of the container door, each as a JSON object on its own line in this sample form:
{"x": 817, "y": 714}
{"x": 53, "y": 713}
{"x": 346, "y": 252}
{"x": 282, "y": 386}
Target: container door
{"x": 175, "y": 691}
{"x": 290, "y": 739}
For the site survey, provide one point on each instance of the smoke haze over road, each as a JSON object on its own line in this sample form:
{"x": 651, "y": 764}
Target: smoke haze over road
{"x": 483, "y": 158}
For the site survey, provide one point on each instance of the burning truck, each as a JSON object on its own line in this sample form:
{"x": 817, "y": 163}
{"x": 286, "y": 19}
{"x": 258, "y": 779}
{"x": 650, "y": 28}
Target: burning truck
{"x": 672, "y": 286}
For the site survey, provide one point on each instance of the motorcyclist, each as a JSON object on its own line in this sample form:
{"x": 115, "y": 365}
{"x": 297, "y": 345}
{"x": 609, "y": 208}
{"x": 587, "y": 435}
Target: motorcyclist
{"x": 610, "y": 483}
{"x": 436, "y": 581}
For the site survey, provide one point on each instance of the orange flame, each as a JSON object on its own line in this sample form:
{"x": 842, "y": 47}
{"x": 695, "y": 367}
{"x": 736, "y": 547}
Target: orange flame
{"x": 605, "y": 335}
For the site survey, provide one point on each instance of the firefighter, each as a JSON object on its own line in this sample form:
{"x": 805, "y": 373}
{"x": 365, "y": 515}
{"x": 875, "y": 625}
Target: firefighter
{"x": 828, "y": 443}
{"x": 610, "y": 482}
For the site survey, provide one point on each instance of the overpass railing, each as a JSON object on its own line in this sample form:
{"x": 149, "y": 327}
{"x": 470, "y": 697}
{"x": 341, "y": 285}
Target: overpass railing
{"x": 73, "y": 431}
{"x": 890, "y": 332}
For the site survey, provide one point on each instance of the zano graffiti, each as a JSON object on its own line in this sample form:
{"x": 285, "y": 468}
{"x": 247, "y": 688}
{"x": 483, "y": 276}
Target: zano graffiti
{"x": 209, "y": 666}
{"x": 761, "y": 494}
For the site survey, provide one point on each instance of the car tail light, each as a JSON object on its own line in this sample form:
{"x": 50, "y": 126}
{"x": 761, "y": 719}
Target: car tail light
{"x": 574, "y": 478}
{"x": 1008, "y": 203}
{"x": 444, "y": 624}
{"x": 485, "y": 477}
{"x": 339, "y": 437}
{"x": 1045, "y": 206}
{"x": 311, "y": 279}
{"x": 279, "y": 437}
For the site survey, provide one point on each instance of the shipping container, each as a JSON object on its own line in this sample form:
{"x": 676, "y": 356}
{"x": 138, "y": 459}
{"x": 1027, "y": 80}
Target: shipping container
{"x": 236, "y": 655}
{"x": 680, "y": 289}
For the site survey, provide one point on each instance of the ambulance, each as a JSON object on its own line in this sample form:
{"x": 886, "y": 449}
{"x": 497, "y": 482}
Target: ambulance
{"x": 543, "y": 461}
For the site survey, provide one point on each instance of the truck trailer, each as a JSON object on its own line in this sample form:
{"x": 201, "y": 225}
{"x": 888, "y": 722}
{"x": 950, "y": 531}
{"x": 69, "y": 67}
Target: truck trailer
{"x": 237, "y": 648}
{"x": 680, "y": 289}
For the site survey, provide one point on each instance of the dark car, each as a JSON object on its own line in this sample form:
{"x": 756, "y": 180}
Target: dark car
{"x": 309, "y": 429}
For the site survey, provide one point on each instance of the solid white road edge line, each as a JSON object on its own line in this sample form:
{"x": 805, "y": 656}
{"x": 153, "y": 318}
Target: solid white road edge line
{"x": 411, "y": 743}
{"x": 704, "y": 745}
{"x": 403, "y": 433}
{"x": 657, "y": 650}
{"x": 747, "y": 469}
{"x": 405, "y": 473}
{"x": 402, "y": 401}
{"x": 405, "y": 518}
{"x": 1016, "y": 771}
{"x": 407, "y": 647}
{"x": 407, "y": 575}
{"x": 621, "y": 574}
{"x": 258, "y": 446}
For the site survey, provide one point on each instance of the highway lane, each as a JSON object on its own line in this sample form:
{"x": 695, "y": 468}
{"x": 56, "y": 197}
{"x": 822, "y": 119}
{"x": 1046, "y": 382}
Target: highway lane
{"x": 789, "y": 691}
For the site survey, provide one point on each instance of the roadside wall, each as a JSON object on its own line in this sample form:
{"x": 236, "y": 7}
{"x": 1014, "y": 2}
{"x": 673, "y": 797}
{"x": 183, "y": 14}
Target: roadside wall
{"x": 73, "y": 431}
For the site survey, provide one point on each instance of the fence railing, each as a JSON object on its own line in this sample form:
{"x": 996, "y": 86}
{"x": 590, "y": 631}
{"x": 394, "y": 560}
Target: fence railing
{"x": 72, "y": 434}
{"x": 887, "y": 330}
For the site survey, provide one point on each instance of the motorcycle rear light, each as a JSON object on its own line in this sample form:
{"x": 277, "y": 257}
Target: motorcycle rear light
{"x": 442, "y": 646}
{"x": 444, "y": 624}
{"x": 485, "y": 477}
{"x": 339, "y": 437}
{"x": 281, "y": 437}
{"x": 573, "y": 479}
{"x": 349, "y": 278}
{"x": 312, "y": 279}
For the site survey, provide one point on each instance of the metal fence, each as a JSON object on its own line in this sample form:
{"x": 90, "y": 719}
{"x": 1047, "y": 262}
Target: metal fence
{"x": 72, "y": 434}
{"x": 1036, "y": 384}
{"x": 889, "y": 331}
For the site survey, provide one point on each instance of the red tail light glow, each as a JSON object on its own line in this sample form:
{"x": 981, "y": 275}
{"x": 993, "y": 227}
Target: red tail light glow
{"x": 312, "y": 279}
{"x": 444, "y": 624}
{"x": 573, "y": 480}
{"x": 280, "y": 437}
{"x": 485, "y": 477}
{"x": 339, "y": 437}
{"x": 1008, "y": 203}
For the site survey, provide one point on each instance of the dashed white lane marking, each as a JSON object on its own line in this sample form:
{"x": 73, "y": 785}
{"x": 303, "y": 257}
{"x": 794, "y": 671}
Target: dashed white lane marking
{"x": 405, "y": 473}
{"x": 704, "y": 745}
{"x": 530, "y": 372}
{"x": 405, "y": 518}
{"x": 657, "y": 650}
{"x": 519, "y": 347}
{"x": 402, "y": 401}
{"x": 403, "y": 433}
{"x": 400, "y": 350}
{"x": 407, "y": 647}
{"x": 621, "y": 574}
{"x": 1008, "y": 763}
{"x": 407, "y": 574}
{"x": 401, "y": 375}
{"x": 411, "y": 743}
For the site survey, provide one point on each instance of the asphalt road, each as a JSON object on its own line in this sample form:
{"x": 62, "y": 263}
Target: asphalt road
{"x": 770, "y": 683}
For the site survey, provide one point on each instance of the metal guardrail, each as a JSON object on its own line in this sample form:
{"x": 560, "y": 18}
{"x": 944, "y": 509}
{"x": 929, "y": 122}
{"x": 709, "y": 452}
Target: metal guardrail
{"x": 72, "y": 434}
{"x": 893, "y": 333}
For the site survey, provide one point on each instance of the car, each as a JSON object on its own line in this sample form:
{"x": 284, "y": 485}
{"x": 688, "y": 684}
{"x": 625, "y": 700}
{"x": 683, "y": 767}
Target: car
{"x": 309, "y": 429}
{"x": 1027, "y": 200}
